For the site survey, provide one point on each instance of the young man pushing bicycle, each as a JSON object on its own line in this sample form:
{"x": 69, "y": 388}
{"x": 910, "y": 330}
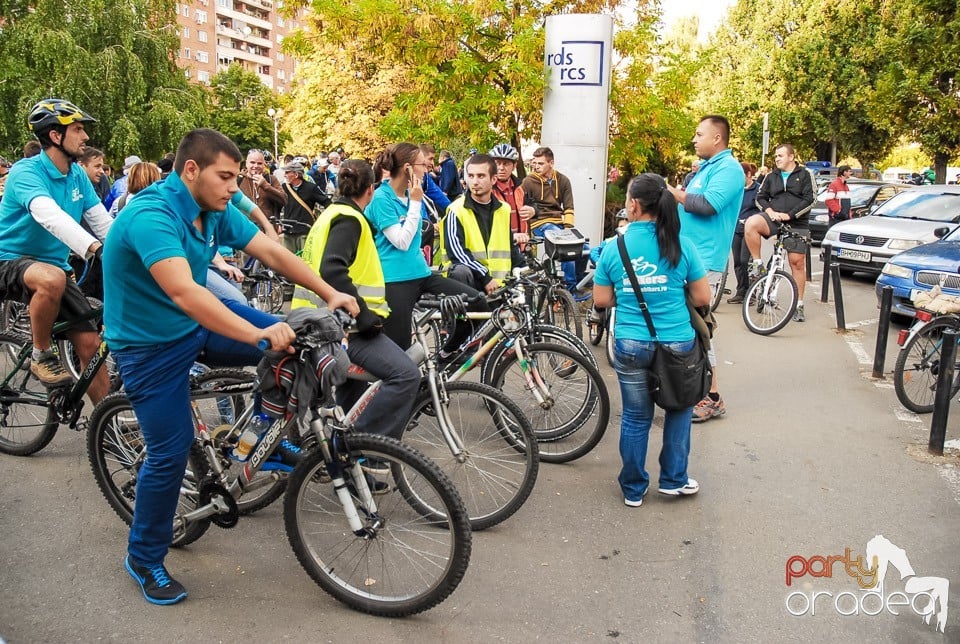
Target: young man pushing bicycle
{"x": 159, "y": 319}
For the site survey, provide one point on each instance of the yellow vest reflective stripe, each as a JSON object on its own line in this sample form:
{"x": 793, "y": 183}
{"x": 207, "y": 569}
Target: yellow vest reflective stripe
{"x": 365, "y": 271}
{"x": 495, "y": 256}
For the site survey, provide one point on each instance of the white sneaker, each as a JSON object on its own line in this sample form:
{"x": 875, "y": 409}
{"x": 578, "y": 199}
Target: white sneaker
{"x": 632, "y": 504}
{"x": 692, "y": 487}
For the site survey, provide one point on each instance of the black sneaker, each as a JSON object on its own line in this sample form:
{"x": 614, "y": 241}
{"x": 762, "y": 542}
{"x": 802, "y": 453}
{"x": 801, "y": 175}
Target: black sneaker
{"x": 736, "y": 299}
{"x": 798, "y": 315}
{"x": 157, "y": 585}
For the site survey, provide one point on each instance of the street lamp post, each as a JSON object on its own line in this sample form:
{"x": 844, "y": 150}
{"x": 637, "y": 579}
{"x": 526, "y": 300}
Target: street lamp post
{"x": 275, "y": 115}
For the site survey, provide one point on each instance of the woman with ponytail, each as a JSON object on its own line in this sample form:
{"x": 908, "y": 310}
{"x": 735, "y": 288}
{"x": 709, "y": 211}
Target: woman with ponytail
{"x": 666, "y": 268}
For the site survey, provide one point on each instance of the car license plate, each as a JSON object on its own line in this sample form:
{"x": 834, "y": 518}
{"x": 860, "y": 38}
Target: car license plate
{"x": 855, "y": 255}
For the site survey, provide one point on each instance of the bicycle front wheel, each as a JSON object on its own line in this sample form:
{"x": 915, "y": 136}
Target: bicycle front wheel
{"x": 497, "y": 460}
{"x": 400, "y": 562}
{"x": 769, "y": 303}
{"x": 27, "y": 422}
{"x": 117, "y": 450}
{"x": 611, "y": 336}
{"x": 572, "y": 415}
{"x": 918, "y": 365}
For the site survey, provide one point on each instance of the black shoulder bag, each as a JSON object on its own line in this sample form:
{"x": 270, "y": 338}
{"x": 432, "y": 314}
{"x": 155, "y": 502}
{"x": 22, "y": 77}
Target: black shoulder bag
{"x": 678, "y": 379}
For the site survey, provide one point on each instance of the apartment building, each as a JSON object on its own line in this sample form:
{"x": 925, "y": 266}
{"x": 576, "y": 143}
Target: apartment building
{"x": 217, "y": 33}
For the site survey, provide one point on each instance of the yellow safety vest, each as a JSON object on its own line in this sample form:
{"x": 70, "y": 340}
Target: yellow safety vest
{"x": 495, "y": 255}
{"x": 365, "y": 271}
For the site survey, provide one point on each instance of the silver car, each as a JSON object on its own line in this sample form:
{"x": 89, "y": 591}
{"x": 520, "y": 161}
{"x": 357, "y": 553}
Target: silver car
{"x": 907, "y": 220}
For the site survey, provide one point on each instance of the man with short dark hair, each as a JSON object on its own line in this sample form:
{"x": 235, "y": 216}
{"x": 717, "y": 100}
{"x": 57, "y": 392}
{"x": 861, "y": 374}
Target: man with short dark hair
{"x": 837, "y": 196}
{"x": 158, "y": 318}
{"x": 785, "y": 197}
{"x": 551, "y": 195}
{"x": 476, "y": 239}
{"x": 709, "y": 208}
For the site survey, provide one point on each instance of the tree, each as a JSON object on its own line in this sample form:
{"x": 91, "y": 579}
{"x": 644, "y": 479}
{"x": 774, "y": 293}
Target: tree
{"x": 470, "y": 69}
{"x": 115, "y": 60}
{"x": 240, "y": 109}
{"x": 651, "y": 121}
{"x": 919, "y": 86}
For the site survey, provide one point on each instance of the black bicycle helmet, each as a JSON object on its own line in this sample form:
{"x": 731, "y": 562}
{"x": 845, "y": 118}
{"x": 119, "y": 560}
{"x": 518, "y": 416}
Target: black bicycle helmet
{"x": 52, "y": 112}
{"x": 504, "y": 151}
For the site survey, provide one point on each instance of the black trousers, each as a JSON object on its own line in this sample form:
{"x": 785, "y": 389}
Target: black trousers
{"x": 741, "y": 262}
{"x": 401, "y": 296}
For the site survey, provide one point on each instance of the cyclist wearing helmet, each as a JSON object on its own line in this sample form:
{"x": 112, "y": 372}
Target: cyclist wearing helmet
{"x": 507, "y": 189}
{"x": 46, "y": 197}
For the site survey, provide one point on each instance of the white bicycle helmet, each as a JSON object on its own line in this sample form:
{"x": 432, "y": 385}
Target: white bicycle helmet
{"x": 504, "y": 151}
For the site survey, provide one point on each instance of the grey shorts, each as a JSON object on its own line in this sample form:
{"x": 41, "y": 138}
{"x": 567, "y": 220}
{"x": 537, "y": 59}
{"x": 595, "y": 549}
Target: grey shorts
{"x": 74, "y": 306}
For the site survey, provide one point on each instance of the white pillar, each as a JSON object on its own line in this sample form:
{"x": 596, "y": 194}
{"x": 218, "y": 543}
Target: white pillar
{"x": 576, "y": 110}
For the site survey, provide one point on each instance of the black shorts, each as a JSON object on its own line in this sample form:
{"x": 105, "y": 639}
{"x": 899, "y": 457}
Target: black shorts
{"x": 791, "y": 245}
{"x": 73, "y": 304}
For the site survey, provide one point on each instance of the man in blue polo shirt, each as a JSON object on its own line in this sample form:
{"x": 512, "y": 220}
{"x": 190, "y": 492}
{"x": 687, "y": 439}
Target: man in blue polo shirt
{"x": 159, "y": 318}
{"x": 46, "y": 196}
{"x": 709, "y": 208}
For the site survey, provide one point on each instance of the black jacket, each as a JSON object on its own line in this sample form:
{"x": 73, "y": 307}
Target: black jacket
{"x": 795, "y": 198}
{"x": 311, "y": 195}
{"x": 748, "y": 207}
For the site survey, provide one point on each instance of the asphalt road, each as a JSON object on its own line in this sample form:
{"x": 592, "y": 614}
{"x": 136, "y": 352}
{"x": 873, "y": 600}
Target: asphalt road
{"x": 813, "y": 457}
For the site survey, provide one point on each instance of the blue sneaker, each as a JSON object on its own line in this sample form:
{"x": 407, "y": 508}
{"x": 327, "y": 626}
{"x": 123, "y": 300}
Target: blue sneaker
{"x": 581, "y": 296}
{"x": 157, "y": 585}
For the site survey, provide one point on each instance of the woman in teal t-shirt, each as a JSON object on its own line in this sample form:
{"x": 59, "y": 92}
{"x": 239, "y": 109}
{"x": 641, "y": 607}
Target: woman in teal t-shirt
{"x": 395, "y": 216}
{"x": 666, "y": 266}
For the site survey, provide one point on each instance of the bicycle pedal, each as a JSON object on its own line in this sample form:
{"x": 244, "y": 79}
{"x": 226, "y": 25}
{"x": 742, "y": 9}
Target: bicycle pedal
{"x": 81, "y": 425}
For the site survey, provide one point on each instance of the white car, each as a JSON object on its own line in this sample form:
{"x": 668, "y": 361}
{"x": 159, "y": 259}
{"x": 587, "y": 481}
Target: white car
{"x": 907, "y": 220}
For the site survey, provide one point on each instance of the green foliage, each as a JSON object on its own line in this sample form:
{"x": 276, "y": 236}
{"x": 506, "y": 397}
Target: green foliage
{"x": 470, "y": 69}
{"x": 240, "y": 109}
{"x": 918, "y": 85}
{"x": 114, "y": 60}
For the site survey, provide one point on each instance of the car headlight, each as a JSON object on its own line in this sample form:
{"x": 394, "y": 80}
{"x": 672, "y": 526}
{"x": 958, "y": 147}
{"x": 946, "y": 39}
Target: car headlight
{"x": 903, "y": 244}
{"x": 822, "y": 219}
{"x": 894, "y": 270}
{"x": 832, "y": 235}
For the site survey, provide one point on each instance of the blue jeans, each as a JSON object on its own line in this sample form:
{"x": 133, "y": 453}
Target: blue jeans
{"x": 573, "y": 271}
{"x": 632, "y": 359}
{"x": 157, "y": 382}
{"x": 223, "y": 288}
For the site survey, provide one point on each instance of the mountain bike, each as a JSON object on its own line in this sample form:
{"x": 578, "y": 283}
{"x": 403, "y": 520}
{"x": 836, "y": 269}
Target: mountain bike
{"x": 918, "y": 363}
{"x": 390, "y": 542}
{"x": 556, "y": 387}
{"x": 771, "y": 300}
{"x": 30, "y": 413}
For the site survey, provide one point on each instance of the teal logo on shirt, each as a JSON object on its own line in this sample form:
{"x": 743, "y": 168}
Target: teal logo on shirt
{"x": 646, "y": 276}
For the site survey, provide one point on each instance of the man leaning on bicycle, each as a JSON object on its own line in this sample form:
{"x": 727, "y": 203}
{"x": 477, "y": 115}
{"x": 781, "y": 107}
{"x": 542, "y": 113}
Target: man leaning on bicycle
{"x": 785, "y": 197}
{"x": 46, "y": 196}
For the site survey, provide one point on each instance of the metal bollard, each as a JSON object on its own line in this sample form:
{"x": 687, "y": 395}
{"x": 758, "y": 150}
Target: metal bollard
{"x": 838, "y": 298}
{"x": 883, "y": 330}
{"x": 941, "y": 399}
{"x": 809, "y": 262}
{"x": 825, "y": 285}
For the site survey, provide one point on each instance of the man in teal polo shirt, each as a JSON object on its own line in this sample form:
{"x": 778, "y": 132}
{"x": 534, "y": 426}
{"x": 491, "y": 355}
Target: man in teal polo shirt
{"x": 46, "y": 197}
{"x": 159, "y": 319}
{"x": 709, "y": 208}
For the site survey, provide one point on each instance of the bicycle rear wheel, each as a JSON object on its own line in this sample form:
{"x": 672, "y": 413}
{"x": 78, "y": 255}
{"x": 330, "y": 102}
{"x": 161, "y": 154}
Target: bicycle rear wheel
{"x": 611, "y": 336}
{"x": 766, "y": 314}
{"x": 560, "y": 309}
{"x": 574, "y": 414}
{"x": 400, "y": 562}
{"x": 541, "y": 333}
{"x": 117, "y": 450}
{"x": 27, "y": 422}
{"x": 918, "y": 365}
{"x": 497, "y": 468}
